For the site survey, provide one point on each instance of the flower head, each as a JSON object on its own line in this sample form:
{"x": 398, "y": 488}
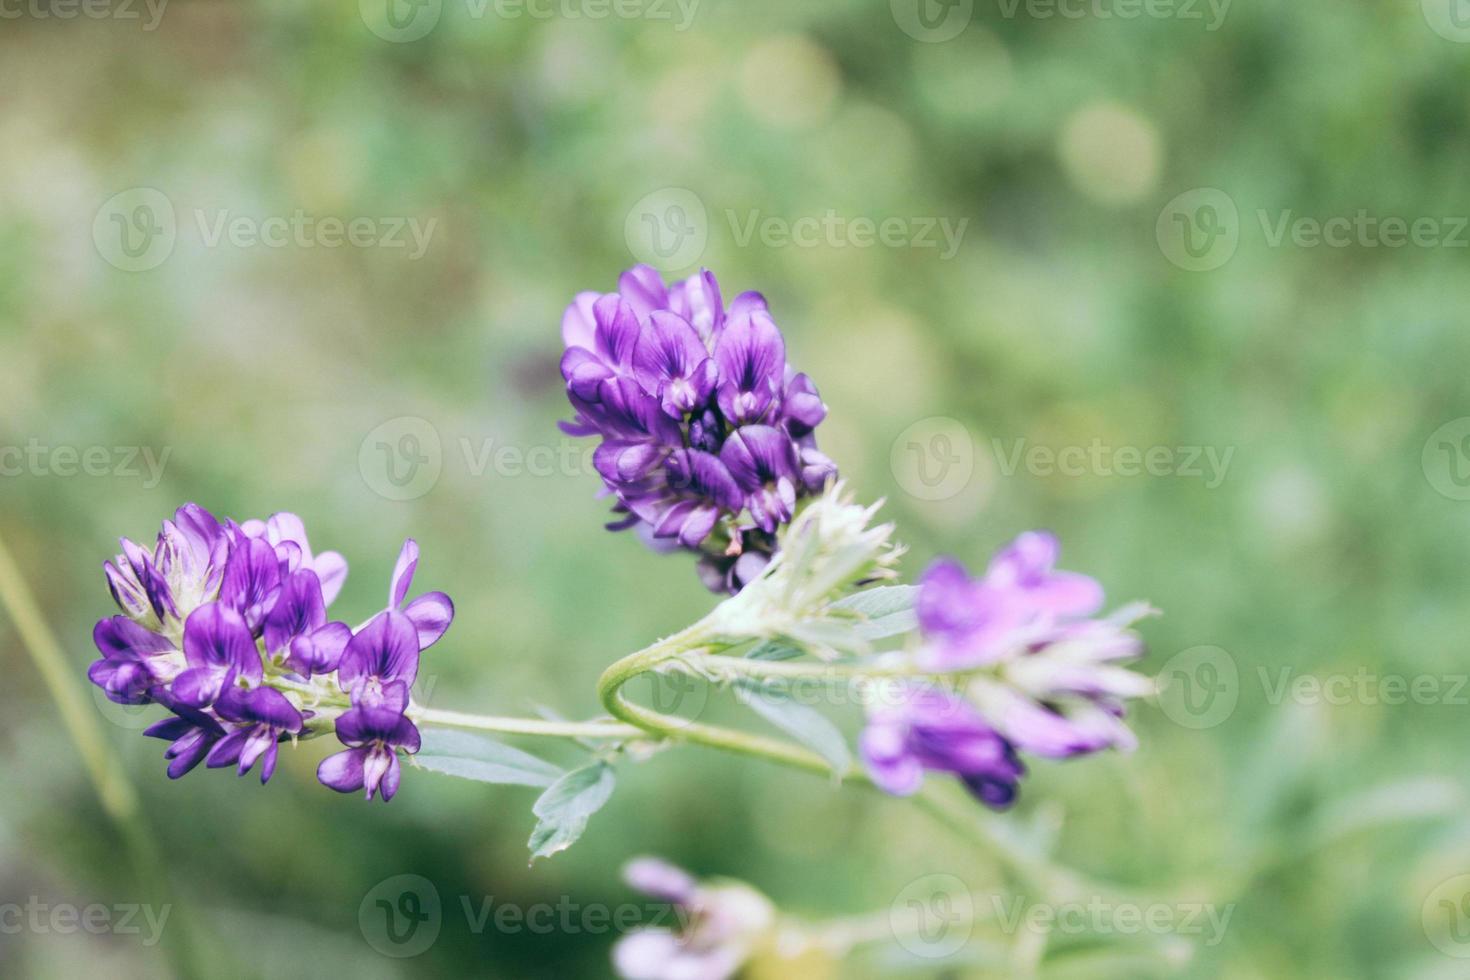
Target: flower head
{"x": 722, "y": 924}
{"x": 707, "y": 434}
{"x": 922, "y": 728}
{"x": 225, "y": 625}
{"x": 1034, "y": 672}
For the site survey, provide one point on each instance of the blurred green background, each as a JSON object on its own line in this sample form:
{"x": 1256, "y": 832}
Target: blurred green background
{"x": 1136, "y": 268}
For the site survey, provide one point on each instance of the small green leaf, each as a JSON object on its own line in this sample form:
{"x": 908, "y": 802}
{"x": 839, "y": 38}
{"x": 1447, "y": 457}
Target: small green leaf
{"x": 563, "y": 810}
{"x": 774, "y": 650}
{"x": 887, "y": 610}
{"x": 486, "y": 760}
{"x": 802, "y": 722}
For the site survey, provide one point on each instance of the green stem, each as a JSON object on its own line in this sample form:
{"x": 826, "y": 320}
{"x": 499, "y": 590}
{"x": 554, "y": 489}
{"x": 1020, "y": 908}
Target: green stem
{"x": 526, "y": 726}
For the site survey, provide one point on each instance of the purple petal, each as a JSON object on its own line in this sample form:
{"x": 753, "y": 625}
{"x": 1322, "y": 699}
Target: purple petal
{"x": 199, "y": 686}
{"x": 431, "y": 614}
{"x": 758, "y": 454}
{"x": 577, "y": 324}
{"x": 252, "y": 580}
{"x": 894, "y": 769}
{"x": 751, "y": 354}
{"x": 226, "y": 751}
{"x": 386, "y": 648}
{"x": 320, "y": 651}
{"x": 408, "y": 561}
{"x": 121, "y": 637}
{"x": 331, "y": 569}
{"x": 343, "y": 771}
{"x": 697, "y": 299}
{"x": 660, "y": 880}
{"x": 643, "y": 289}
{"x": 216, "y": 636}
{"x": 617, "y": 331}
{"x": 299, "y": 608}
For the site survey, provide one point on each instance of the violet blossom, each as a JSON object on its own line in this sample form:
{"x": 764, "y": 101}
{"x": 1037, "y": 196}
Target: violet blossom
{"x": 721, "y": 926}
{"x": 1034, "y": 671}
{"x": 226, "y": 626}
{"x": 707, "y": 434}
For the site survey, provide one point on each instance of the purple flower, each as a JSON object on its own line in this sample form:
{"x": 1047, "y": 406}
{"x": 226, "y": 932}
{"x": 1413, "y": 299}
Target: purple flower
{"x": 219, "y": 649}
{"x": 707, "y": 434}
{"x": 134, "y": 660}
{"x": 720, "y": 927}
{"x": 287, "y": 534}
{"x": 373, "y": 735}
{"x": 929, "y": 729}
{"x": 381, "y": 662}
{"x": 258, "y": 719}
{"x": 191, "y": 734}
{"x": 225, "y": 625}
{"x": 430, "y": 613}
{"x": 970, "y": 622}
{"x": 1039, "y": 676}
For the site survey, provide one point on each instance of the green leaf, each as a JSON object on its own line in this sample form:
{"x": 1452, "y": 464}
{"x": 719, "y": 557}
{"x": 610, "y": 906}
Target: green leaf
{"x": 774, "y": 650}
{"x": 486, "y": 760}
{"x": 802, "y": 722}
{"x": 563, "y": 810}
{"x": 887, "y": 610}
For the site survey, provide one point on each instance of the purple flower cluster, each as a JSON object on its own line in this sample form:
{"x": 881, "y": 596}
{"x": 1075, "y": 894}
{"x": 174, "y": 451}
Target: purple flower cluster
{"x": 708, "y": 435}
{"x": 1038, "y": 674}
{"x": 225, "y": 625}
